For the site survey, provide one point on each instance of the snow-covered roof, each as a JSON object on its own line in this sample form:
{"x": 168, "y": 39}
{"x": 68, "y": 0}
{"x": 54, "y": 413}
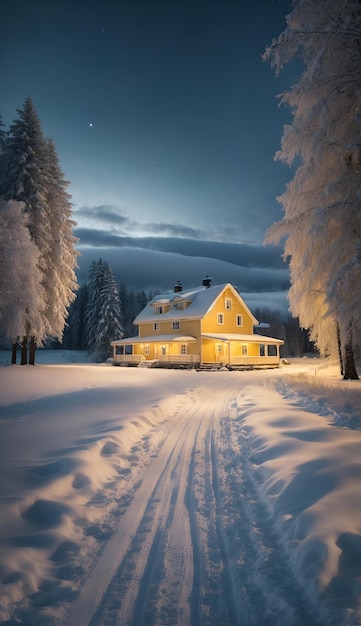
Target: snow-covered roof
{"x": 153, "y": 339}
{"x": 200, "y": 298}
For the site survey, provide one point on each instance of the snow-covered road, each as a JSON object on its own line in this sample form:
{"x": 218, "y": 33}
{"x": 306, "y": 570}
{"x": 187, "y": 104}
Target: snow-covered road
{"x": 150, "y": 498}
{"x": 194, "y": 544}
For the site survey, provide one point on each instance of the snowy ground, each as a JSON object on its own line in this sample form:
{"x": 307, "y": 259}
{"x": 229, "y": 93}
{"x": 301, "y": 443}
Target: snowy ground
{"x": 156, "y": 497}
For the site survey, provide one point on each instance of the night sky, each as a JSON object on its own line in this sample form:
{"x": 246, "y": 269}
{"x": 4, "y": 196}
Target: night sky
{"x": 166, "y": 122}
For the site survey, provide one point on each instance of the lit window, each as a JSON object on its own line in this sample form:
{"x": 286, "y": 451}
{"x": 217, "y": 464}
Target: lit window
{"x": 239, "y": 320}
{"x": 147, "y": 350}
{"x": 220, "y": 318}
{"x": 244, "y": 348}
{"x": 228, "y": 304}
{"x": 183, "y": 348}
{"x": 219, "y": 348}
{"x": 176, "y": 325}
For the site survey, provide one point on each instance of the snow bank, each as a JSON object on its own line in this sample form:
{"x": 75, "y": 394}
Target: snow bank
{"x": 308, "y": 474}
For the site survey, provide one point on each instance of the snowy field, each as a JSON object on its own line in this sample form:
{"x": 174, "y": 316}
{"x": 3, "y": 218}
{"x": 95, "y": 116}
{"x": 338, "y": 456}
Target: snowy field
{"x": 157, "y": 497}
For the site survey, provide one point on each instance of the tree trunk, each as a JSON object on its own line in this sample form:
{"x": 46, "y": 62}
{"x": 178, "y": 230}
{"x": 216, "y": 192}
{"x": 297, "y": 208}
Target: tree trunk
{"x": 32, "y": 351}
{"x": 339, "y": 350}
{"x": 24, "y": 350}
{"x": 350, "y": 372}
{"x": 14, "y": 349}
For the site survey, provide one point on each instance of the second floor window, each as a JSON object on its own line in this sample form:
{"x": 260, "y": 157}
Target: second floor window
{"x": 228, "y": 304}
{"x": 156, "y": 326}
{"x": 176, "y": 325}
{"x": 220, "y": 318}
{"x": 239, "y": 320}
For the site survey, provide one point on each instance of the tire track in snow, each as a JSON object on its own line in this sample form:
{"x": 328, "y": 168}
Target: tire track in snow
{"x": 195, "y": 545}
{"x": 271, "y": 585}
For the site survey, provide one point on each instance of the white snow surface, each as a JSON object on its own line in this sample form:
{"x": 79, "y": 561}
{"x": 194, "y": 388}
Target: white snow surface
{"x": 146, "y": 496}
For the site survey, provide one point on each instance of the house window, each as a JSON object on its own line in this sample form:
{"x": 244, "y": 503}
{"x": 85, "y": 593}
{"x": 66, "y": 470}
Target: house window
{"x": 176, "y": 325}
{"x": 219, "y": 348}
{"x": 163, "y": 350}
{"x": 239, "y": 320}
{"x": 220, "y": 318}
{"x": 147, "y": 350}
{"x": 183, "y": 348}
{"x": 158, "y": 310}
{"x": 262, "y": 349}
{"x": 156, "y": 326}
{"x": 228, "y": 304}
{"x": 244, "y": 349}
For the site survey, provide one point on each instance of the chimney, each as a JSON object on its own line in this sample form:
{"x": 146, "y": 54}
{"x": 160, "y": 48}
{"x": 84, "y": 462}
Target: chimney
{"x": 207, "y": 282}
{"x": 178, "y": 287}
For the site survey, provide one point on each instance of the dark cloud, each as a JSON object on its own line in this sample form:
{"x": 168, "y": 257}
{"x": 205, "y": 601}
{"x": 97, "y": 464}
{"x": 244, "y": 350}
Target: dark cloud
{"x": 109, "y": 215}
{"x": 247, "y": 255}
{"x": 177, "y": 230}
{"x": 105, "y": 213}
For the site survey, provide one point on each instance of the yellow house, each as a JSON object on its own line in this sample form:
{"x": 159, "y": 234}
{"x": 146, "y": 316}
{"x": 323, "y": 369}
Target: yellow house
{"x": 207, "y": 326}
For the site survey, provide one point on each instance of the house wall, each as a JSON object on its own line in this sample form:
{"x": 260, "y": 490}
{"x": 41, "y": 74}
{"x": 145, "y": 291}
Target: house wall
{"x": 187, "y": 327}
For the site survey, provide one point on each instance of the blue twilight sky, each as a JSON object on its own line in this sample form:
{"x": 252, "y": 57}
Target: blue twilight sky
{"x": 166, "y": 122}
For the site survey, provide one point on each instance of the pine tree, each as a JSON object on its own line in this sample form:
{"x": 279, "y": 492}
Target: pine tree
{"x": 96, "y": 275}
{"x": 31, "y": 174}
{"x": 75, "y": 330}
{"x": 103, "y": 314}
{"x": 110, "y": 324}
{"x": 322, "y": 221}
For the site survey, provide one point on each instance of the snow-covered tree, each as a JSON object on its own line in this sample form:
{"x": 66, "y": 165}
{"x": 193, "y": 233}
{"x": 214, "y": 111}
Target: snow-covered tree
{"x": 21, "y": 291}
{"x": 31, "y": 173}
{"x": 103, "y": 315}
{"x": 322, "y": 204}
{"x": 60, "y": 258}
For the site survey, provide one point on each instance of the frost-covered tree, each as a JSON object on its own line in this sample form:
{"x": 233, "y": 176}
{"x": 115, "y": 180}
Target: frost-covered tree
{"x": 60, "y": 258}
{"x": 31, "y": 173}
{"x": 322, "y": 218}
{"x": 21, "y": 291}
{"x": 103, "y": 315}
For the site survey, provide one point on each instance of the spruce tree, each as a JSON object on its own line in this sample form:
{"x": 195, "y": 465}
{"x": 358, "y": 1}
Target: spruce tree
{"x": 103, "y": 314}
